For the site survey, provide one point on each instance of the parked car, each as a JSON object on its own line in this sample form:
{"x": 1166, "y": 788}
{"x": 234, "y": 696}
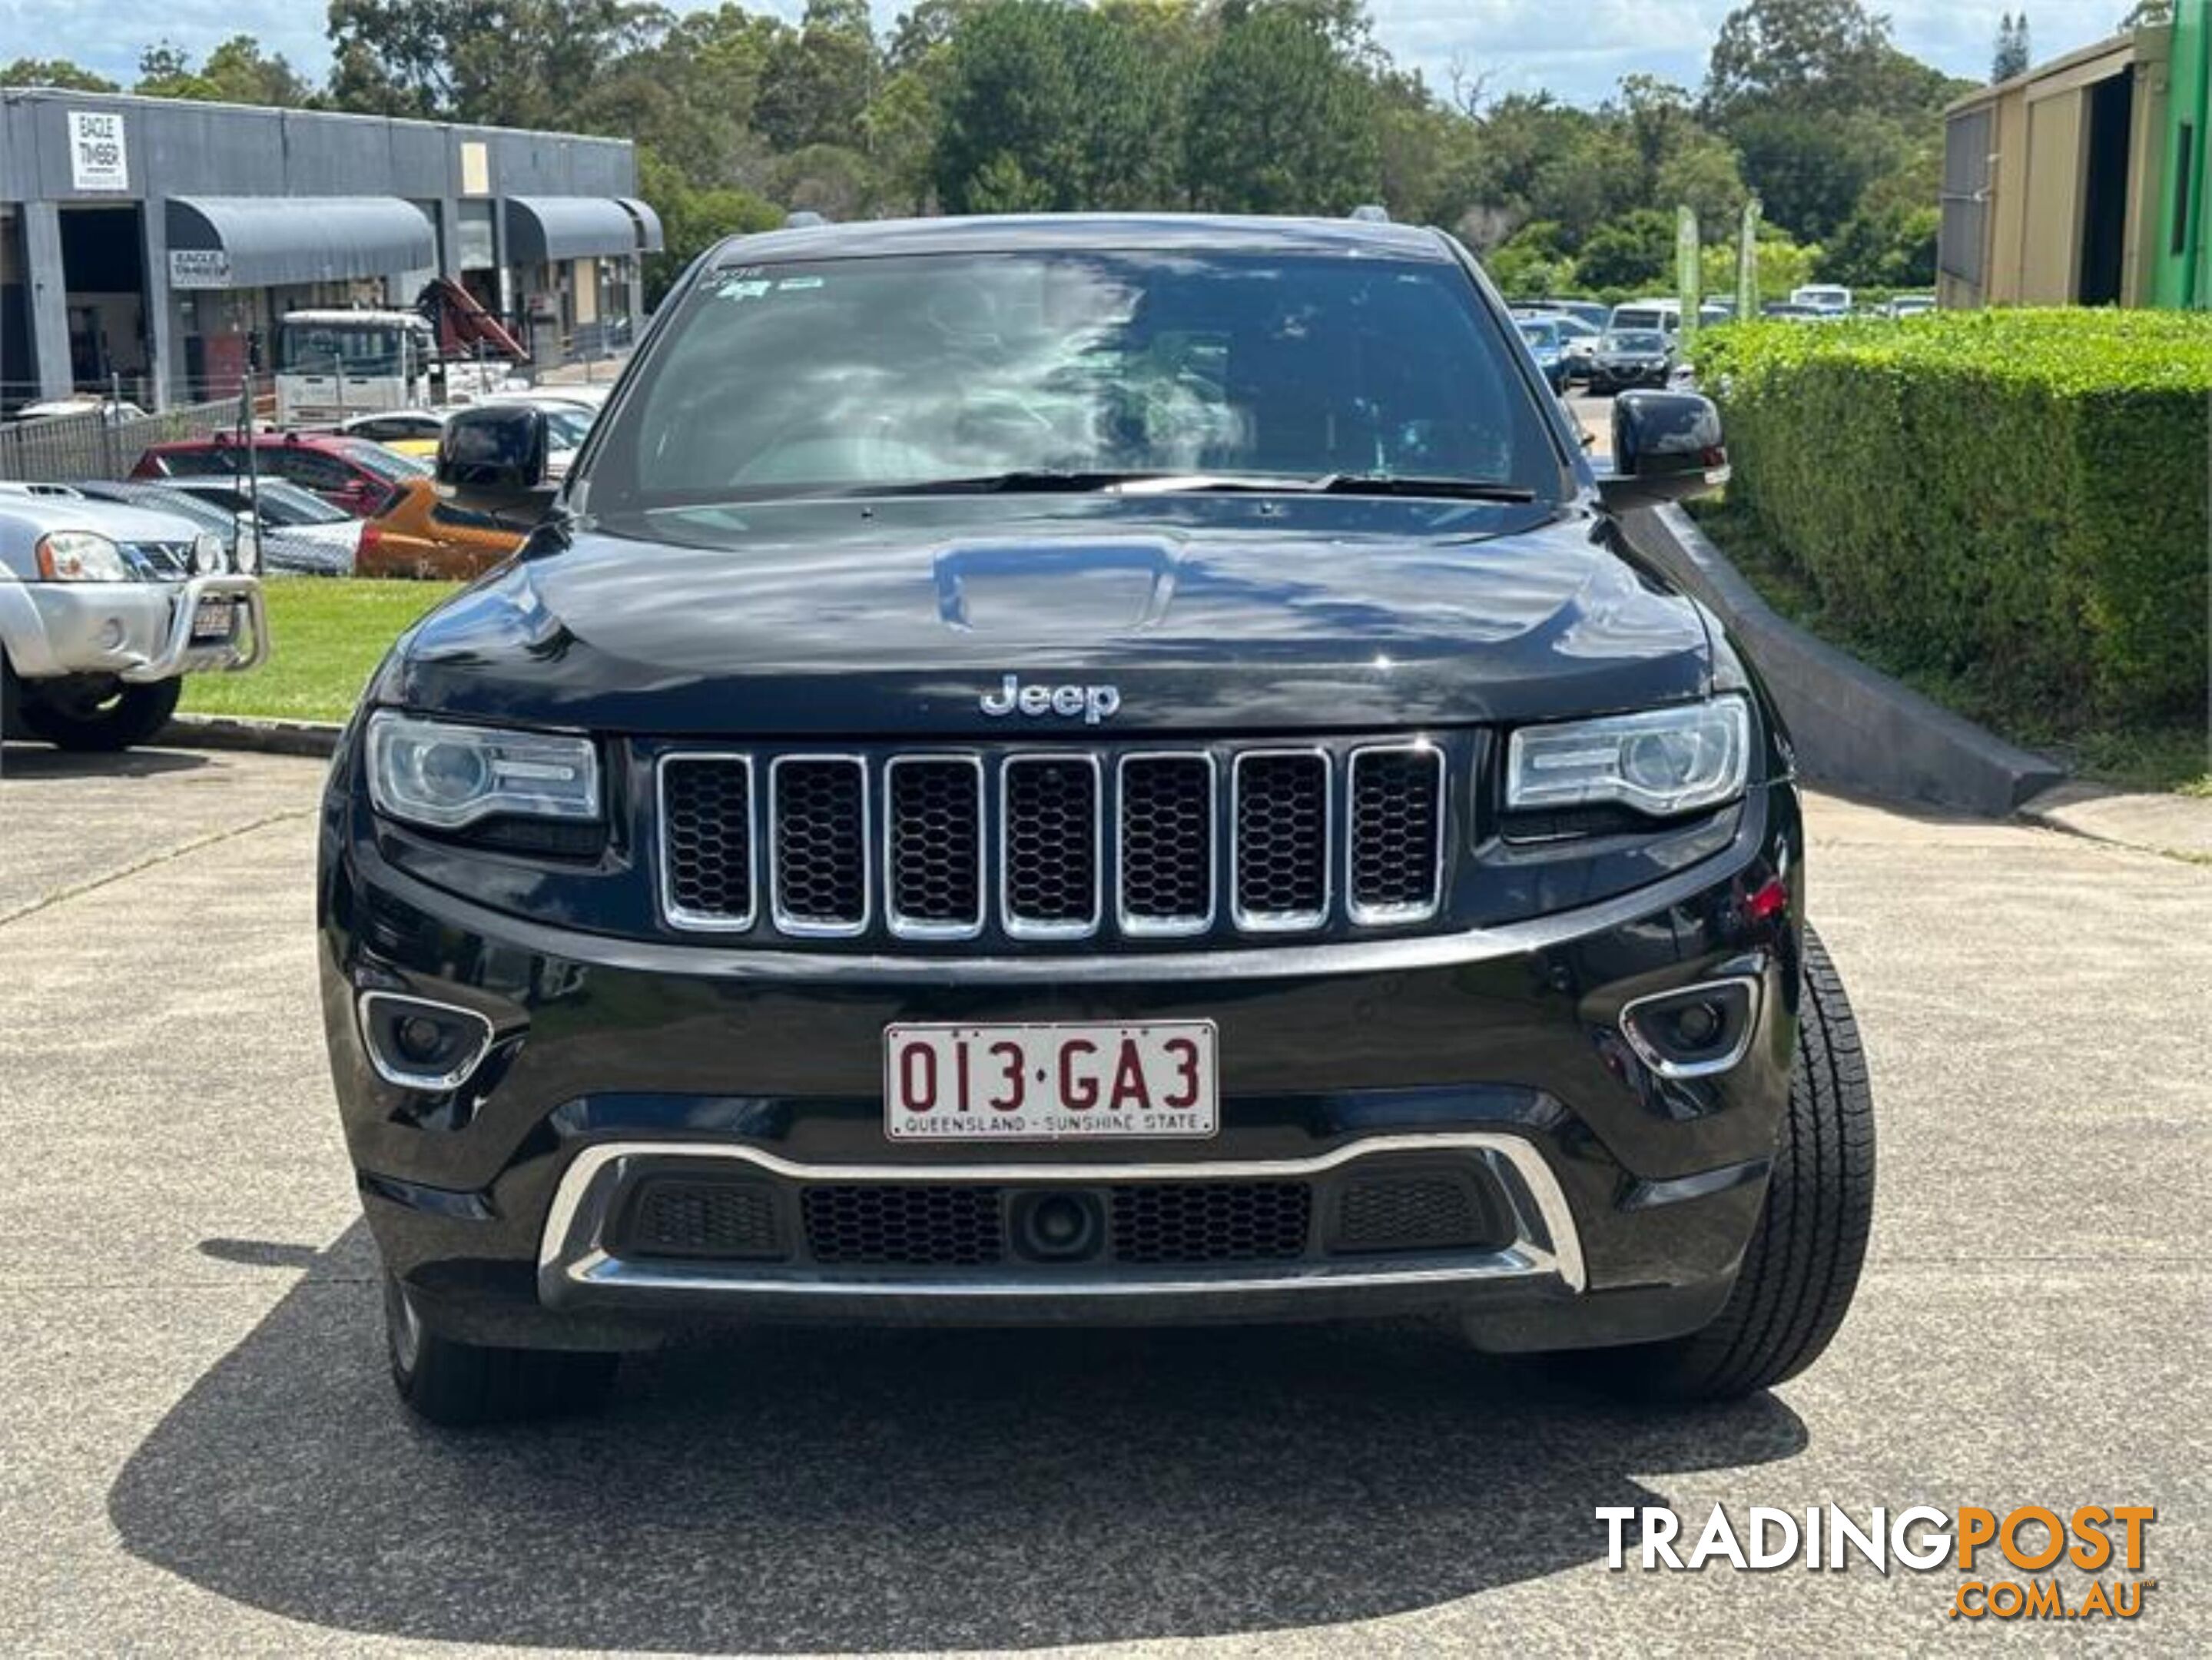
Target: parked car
{"x": 1831, "y": 297}
{"x": 104, "y": 609}
{"x": 300, "y": 533}
{"x": 1632, "y": 357}
{"x": 1663, "y": 315}
{"x": 351, "y": 473}
{"x": 1225, "y": 831}
{"x": 420, "y": 536}
{"x": 1910, "y": 305}
{"x": 241, "y": 537}
{"x": 1549, "y": 347}
{"x": 1579, "y": 340}
{"x": 1591, "y": 313}
{"x": 54, "y": 409}
{"x": 408, "y": 432}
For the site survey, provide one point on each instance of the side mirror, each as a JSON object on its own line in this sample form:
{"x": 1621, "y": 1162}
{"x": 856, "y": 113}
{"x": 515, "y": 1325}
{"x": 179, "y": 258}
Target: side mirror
{"x": 1666, "y": 447}
{"x": 494, "y": 460}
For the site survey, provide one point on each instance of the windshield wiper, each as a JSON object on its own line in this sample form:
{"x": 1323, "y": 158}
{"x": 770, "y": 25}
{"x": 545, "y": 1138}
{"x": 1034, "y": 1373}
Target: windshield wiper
{"x": 1038, "y": 479}
{"x": 1391, "y": 483}
{"x": 1049, "y": 480}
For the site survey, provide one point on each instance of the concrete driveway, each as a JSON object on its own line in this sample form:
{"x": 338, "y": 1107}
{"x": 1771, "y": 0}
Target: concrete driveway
{"x": 199, "y": 1453}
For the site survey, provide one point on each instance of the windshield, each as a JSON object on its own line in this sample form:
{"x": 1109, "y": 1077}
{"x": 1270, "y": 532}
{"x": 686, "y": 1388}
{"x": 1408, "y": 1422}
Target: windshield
{"x": 874, "y": 375}
{"x": 1636, "y": 340}
{"x": 286, "y": 504}
{"x": 1540, "y": 334}
{"x": 362, "y": 348}
{"x": 568, "y": 427}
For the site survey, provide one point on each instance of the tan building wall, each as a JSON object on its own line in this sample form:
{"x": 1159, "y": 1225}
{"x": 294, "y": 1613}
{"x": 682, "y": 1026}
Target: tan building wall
{"x": 2038, "y": 183}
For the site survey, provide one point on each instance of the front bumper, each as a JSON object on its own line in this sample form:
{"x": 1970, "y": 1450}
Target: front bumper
{"x": 1622, "y": 1198}
{"x": 139, "y": 632}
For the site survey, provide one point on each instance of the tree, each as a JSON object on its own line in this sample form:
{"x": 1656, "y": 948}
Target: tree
{"x": 54, "y": 72}
{"x": 508, "y": 63}
{"x": 1635, "y": 251}
{"x": 692, "y": 220}
{"x": 2012, "y": 56}
{"x": 1282, "y": 114}
{"x": 236, "y": 72}
{"x": 817, "y": 81}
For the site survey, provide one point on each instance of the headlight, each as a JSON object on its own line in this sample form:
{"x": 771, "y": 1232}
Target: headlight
{"x": 248, "y": 556}
{"x": 1663, "y": 762}
{"x": 79, "y": 556}
{"x": 431, "y": 772}
{"x": 207, "y": 554}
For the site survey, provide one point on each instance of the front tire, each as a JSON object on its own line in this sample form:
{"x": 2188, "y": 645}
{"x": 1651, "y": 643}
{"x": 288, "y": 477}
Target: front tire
{"x": 463, "y": 1384}
{"x": 100, "y": 717}
{"x": 1802, "y": 1264}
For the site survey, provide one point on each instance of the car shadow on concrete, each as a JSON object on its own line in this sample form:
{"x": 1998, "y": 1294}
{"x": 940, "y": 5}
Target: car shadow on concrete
{"x": 813, "y": 1489}
{"x": 32, "y": 762}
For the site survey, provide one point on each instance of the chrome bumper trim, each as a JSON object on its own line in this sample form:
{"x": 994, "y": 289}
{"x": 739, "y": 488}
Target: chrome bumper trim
{"x": 571, "y": 1257}
{"x": 177, "y": 655}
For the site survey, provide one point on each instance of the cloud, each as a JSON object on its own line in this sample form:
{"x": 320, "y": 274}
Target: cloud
{"x": 1578, "y": 49}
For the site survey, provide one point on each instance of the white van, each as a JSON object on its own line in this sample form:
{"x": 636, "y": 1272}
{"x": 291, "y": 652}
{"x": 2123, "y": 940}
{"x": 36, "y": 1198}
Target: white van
{"x": 1662, "y": 314}
{"x": 1823, "y": 296}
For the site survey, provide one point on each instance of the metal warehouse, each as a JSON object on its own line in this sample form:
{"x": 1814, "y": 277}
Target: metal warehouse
{"x": 157, "y": 242}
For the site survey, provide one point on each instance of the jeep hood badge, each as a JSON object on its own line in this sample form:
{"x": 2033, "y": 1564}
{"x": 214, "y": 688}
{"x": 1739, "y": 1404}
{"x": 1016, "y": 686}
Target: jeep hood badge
{"x": 1093, "y": 703}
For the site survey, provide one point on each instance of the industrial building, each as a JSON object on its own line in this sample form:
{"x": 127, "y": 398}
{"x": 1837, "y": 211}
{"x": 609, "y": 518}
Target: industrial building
{"x": 2081, "y": 182}
{"x": 159, "y": 242}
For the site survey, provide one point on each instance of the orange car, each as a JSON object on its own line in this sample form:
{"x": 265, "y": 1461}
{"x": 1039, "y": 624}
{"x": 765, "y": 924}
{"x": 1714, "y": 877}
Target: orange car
{"x": 418, "y": 535}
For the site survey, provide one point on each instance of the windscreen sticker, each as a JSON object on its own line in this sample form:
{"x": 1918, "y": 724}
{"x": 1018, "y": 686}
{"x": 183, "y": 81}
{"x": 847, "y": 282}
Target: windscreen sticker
{"x": 742, "y": 288}
{"x": 790, "y": 282}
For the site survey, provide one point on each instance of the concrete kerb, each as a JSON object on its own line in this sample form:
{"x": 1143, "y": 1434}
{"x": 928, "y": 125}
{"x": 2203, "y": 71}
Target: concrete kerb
{"x": 1855, "y": 729}
{"x": 239, "y": 731}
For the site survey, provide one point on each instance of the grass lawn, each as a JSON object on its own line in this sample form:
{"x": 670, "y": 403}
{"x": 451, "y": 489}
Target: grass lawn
{"x": 326, "y": 637}
{"x": 2173, "y": 757}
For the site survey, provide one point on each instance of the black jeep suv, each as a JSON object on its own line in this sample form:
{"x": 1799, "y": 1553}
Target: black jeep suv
{"x": 1080, "y": 770}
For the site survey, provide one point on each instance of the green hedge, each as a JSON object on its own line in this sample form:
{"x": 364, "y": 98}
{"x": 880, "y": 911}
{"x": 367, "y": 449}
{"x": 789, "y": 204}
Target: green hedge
{"x": 2016, "y": 495}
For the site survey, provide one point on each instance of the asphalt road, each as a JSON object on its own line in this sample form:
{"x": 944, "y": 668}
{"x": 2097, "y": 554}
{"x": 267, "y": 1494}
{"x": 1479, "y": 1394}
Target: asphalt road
{"x": 198, "y": 1453}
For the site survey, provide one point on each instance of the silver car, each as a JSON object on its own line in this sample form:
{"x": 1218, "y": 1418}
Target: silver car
{"x": 104, "y": 608}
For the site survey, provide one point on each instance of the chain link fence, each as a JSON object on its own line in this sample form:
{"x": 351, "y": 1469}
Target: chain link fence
{"x": 103, "y": 443}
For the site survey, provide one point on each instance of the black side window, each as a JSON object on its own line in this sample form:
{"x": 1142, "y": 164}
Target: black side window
{"x": 2184, "y": 177}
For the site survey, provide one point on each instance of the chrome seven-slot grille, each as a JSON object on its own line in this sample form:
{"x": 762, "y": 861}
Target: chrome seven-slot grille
{"x": 1066, "y": 844}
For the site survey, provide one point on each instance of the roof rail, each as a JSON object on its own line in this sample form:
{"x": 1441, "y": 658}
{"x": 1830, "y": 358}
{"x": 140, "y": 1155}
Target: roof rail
{"x": 802, "y": 219}
{"x": 1371, "y": 213}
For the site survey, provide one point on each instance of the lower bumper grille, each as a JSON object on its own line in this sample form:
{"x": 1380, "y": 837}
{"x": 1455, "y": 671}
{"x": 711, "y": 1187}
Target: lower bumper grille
{"x": 1190, "y": 1223}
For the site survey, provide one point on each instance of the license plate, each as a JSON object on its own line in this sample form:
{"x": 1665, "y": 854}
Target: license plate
{"x": 1049, "y": 1083}
{"x": 212, "y": 620}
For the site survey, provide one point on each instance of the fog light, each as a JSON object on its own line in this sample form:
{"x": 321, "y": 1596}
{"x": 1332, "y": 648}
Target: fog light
{"x": 1695, "y": 1031}
{"x": 419, "y": 1044}
{"x": 1697, "y": 1025}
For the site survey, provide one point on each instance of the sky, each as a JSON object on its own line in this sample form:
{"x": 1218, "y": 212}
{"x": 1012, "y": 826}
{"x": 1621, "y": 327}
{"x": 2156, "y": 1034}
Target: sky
{"x": 1578, "y": 49}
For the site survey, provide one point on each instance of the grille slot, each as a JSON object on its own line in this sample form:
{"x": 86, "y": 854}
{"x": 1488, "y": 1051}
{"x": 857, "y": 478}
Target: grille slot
{"x": 707, "y": 841}
{"x": 1394, "y": 851}
{"x": 683, "y": 1218}
{"x": 820, "y": 843}
{"x": 897, "y": 1225}
{"x": 1412, "y": 1212}
{"x": 934, "y": 846}
{"x": 1280, "y": 855}
{"x": 1166, "y": 844}
{"x": 1049, "y": 846}
{"x": 1210, "y": 1221}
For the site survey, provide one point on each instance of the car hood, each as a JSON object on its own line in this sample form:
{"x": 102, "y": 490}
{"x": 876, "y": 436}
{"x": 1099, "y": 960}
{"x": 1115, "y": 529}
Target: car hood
{"x": 41, "y": 514}
{"x": 1226, "y": 614}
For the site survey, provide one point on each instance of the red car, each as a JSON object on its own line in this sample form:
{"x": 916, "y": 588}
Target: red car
{"x": 351, "y": 473}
